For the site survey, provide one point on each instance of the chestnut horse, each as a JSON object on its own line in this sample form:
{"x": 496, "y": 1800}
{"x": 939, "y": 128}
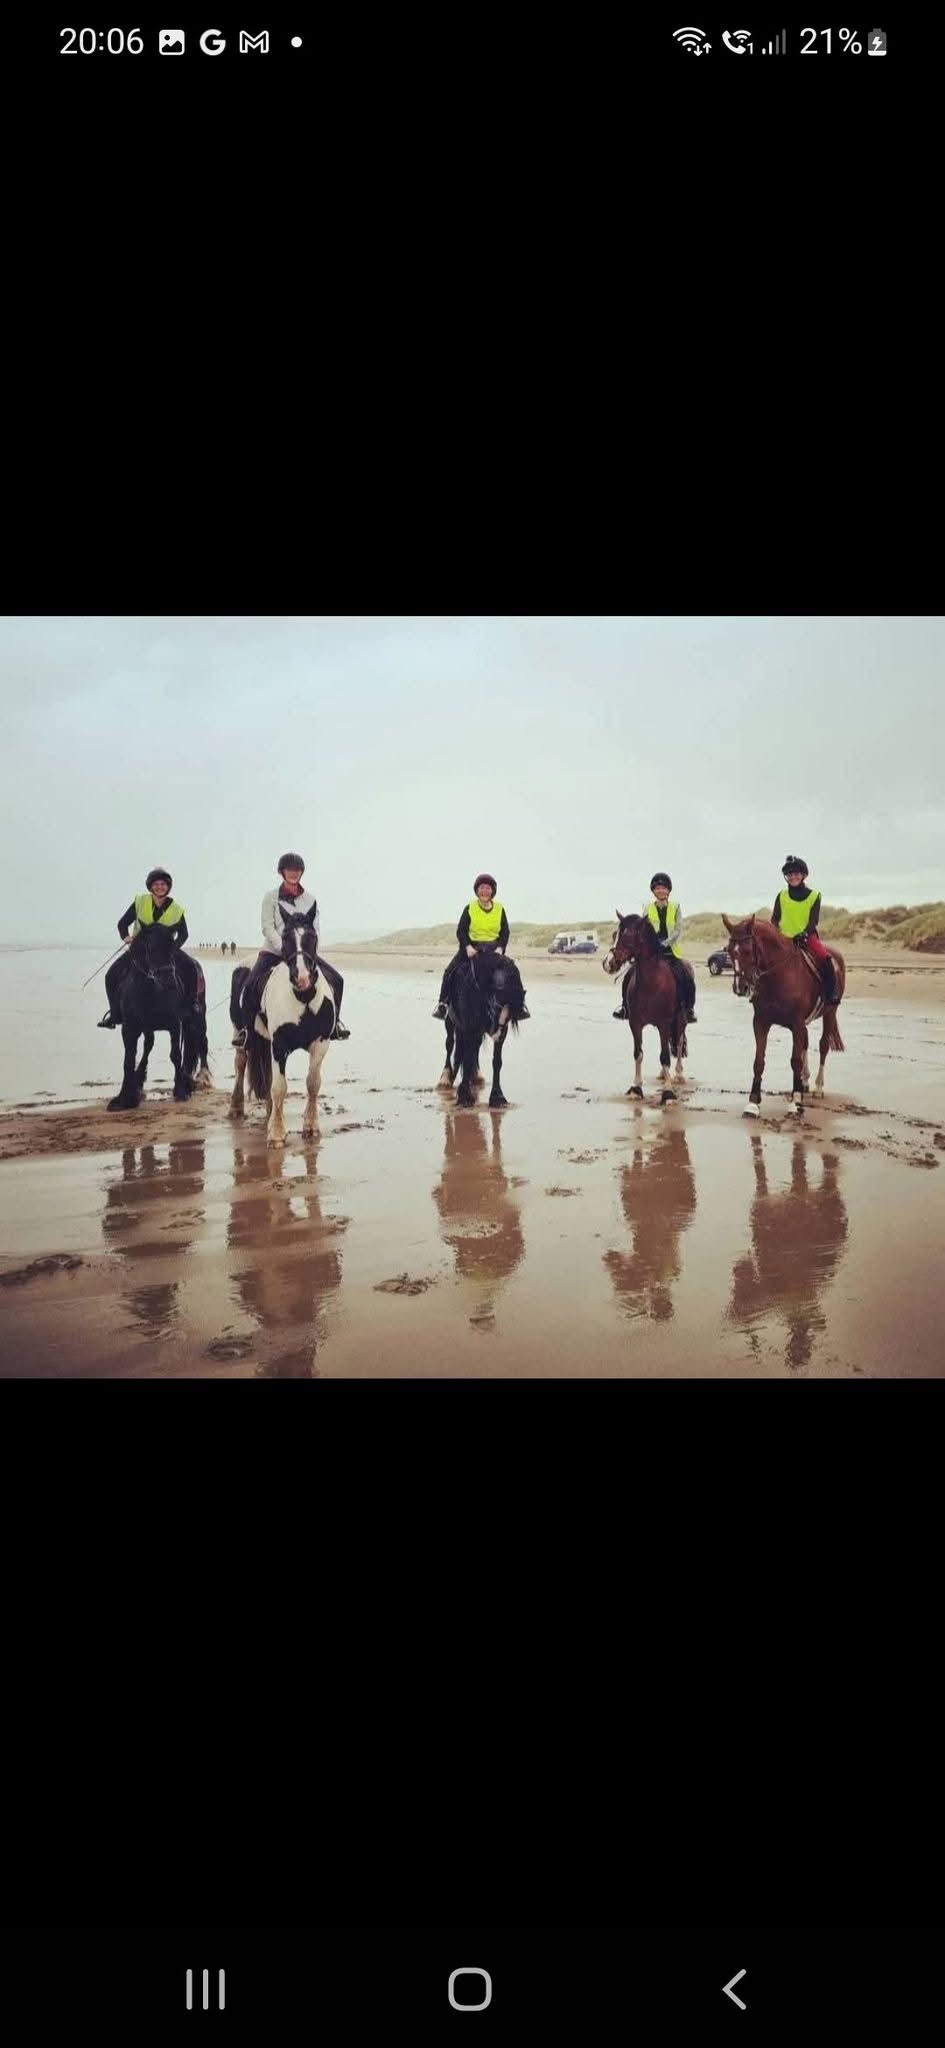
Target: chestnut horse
{"x": 784, "y": 989}
{"x": 652, "y": 998}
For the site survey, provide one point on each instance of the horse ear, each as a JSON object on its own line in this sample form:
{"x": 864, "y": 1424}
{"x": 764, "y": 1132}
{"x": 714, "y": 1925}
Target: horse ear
{"x": 620, "y": 917}
{"x": 727, "y": 923}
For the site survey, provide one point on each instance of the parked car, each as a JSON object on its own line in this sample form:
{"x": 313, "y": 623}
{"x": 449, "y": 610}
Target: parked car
{"x": 721, "y": 962}
{"x": 574, "y": 942}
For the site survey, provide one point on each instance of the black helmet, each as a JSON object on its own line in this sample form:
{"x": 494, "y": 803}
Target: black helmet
{"x": 493, "y": 884}
{"x": 158, "y": 875}
{"x": 291, "y": 860}
{"x": 794, "y": 861}
{"x": 661, "y": 880}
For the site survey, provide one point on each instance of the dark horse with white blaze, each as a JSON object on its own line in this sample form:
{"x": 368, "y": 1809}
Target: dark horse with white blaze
{"x": 784, "y": 986}
{"x": 152, "y": 998}
{"x": 296, "y": 1013}
{"x": 652, "y": 998}
{"x": 487, "y": 998}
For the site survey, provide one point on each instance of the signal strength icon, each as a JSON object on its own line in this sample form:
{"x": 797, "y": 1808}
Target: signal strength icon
{"x": 692, "y": 39}
{"x": 778, "y": 48}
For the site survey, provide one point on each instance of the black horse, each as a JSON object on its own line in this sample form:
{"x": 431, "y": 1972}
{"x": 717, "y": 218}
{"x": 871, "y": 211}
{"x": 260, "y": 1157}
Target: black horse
{"x": 153, "y": 998}
{"x": 486, "y": 998}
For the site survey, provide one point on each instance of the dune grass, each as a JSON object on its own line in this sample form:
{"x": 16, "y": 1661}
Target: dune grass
{"x": 920, "y": 928}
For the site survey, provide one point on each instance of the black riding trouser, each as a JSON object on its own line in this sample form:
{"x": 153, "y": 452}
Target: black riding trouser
{"x": 458, "y": 960}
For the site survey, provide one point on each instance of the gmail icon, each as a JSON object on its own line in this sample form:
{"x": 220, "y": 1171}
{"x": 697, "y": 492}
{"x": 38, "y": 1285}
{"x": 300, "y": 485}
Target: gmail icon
{"x": 260, "y": 42}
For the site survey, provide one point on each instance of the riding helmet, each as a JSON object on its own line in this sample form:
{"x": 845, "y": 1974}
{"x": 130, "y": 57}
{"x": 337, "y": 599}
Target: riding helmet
{"x": 794, "y": 861}
{"x": 291, "y": 860}
{"x": 661, "y": 880}
{"x": 493, "y": 884}
{"x": 158, "y": 875}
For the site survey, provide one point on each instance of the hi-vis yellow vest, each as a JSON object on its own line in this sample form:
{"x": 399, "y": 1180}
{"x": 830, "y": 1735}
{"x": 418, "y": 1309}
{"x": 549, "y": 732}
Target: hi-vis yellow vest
{"x": 672, "y": 912}
{"x": 794, "y": 916}
{"x": 145, "y": 907}
{"x": 484, "y": 924}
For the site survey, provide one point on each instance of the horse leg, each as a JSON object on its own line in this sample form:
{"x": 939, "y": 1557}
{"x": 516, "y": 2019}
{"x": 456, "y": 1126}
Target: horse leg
{"x": 667, "y": 1094}
{"x": 753, "y": 1105}
{"x": 316, "y": 1054}
{"x": 129, "y": 1094}
{"x": 141, "y": 1070}
{"x": 237, "y": 1107}
{"x": 637, "y": 1088}
{"x": 465, "y": 1040}
{"x": 275, "y": 1128}
{"x": 448, "y": 1075}
{"x": 798, "y": 1062}
{"x": 182, "y": 1082}
{"x": 477, "y": 1077}
{"x": 497, "y": 1099}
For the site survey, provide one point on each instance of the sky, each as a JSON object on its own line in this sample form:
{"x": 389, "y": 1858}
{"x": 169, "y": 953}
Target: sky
{"x": 569, "y": 756}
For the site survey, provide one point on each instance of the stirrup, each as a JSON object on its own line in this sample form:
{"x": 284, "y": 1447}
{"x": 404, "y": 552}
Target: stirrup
{"x": 108, "y": 1022}
{"x": 241, "y": 1038}
{"x": 440, "y": 1012}
{"x": 620, "y": 1016}
{"x": 340, "y": 1030}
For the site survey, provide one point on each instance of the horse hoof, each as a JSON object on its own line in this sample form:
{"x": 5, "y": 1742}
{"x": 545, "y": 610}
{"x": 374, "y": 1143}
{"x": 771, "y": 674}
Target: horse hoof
{"x": 667, "y": 1096}
{"x": 478, "y": 1081}
{"x": 638, "y": 1092}
{"x": 118, "y": 1102}
{"x": 204, "y": 1078}
{"x": 446, "y": 1079}
{"x": 275, "y": 1141}
{"x": 464, "y": 1102}
{"x": 237, "y": 1112}
{"x": 498, "y": 1102}
{"x": 751, "y": 1109}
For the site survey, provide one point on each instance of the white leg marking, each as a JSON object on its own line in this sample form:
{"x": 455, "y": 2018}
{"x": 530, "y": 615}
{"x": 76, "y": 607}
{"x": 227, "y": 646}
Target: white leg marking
{"x": 316, "y": 1054}
{"x": 275, "y": 1129}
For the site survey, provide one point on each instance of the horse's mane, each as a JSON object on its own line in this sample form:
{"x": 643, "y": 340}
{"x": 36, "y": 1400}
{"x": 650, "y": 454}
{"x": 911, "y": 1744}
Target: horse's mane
{"x": 767, "y": 930}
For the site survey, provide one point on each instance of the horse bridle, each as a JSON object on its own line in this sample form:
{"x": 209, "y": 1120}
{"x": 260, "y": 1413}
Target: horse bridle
{"x": 745, "y": 983}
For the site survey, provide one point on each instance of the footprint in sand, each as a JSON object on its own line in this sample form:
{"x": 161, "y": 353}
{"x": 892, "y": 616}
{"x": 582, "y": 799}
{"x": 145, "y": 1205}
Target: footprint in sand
{"x": 229, "y": 1347}
{"x": 402, "y": 1284}
{"x": 562, "y": 1191}
{"x": 57, "y": 1262}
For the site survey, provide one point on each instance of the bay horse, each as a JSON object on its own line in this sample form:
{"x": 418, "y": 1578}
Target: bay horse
{"x": 152, "y": 998}
{"x": 296, "y": 1013}
{"x": 652, "y": 998}
{"x": 487, "y": 998}
{"x": 784, "y": 987}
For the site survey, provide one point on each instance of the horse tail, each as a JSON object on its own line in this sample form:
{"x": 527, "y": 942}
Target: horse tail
{"x": 260, "y": 1066}
{"x": 238, "y": 979}
{"x": 190, "y": 1045}
{"x": 834, "y": 1040}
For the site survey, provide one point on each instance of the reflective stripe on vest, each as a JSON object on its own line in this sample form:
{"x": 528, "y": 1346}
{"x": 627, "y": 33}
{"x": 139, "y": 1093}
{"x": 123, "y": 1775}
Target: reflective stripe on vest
{"x": 672, "y": 912}
{"x": 145, "y": 908}
{"x": 794, "y": 915}
{"x": 484, "y": 924}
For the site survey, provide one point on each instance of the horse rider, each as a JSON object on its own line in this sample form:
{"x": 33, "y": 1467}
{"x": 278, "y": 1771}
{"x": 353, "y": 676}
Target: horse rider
{"x": 290, "y": 896}
{"x": 156, "y": 907}
{"x": 665, "y": 916}
{"x": 796, "y": 913}
{"x": 483, "y": 928}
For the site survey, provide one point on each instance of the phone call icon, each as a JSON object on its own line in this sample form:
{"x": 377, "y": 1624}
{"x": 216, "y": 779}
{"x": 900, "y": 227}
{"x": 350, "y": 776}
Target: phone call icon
{"x": 738, "y": 41}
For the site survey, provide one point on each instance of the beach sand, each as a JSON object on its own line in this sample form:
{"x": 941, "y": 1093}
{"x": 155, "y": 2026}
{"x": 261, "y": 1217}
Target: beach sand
{"x": 575, "y": 1233}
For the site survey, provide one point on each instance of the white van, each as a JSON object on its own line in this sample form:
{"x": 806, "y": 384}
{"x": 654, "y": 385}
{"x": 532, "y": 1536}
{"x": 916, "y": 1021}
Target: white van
{"x": 574, "y": 942}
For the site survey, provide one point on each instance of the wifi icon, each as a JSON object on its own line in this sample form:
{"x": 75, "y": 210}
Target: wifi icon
{"x": 692, "y": 39}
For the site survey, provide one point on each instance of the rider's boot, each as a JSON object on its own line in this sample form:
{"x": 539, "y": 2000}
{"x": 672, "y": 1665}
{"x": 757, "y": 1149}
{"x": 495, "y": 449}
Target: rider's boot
{"x": 828, "y": 975}
{"x": 440, "y": 1012}
{"x": 108, "y": 1022}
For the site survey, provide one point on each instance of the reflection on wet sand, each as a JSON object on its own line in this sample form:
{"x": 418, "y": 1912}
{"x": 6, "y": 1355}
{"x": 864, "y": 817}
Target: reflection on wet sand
{"x": 132, "y": 1228}
{"x": 797, "y": 1238}
{"x": 658, "y": 1192}
{"x": 290, "y": 1263}
{"x": 480, "y": 1219}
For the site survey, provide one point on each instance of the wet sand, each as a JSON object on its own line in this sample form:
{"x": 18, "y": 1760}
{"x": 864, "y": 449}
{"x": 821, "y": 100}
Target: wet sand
{"x": 575, "y": 1233}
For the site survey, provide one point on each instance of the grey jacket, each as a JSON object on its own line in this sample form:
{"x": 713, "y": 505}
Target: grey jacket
{"x": 272, "y": 924}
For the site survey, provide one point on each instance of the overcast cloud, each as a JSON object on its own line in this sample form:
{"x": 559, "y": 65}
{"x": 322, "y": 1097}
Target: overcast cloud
{"x": 570, "y": 756}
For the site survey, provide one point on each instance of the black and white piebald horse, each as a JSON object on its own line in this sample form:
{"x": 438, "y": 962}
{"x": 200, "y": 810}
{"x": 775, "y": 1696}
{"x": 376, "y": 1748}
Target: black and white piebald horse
{"x": 486, "y": 998}
{"x": 296, "y": 1013}
{"x": 153, "y": 998}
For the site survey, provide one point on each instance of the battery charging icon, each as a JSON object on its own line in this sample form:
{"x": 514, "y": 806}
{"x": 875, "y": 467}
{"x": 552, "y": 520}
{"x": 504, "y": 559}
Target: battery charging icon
{"x": 876, "y": 42}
